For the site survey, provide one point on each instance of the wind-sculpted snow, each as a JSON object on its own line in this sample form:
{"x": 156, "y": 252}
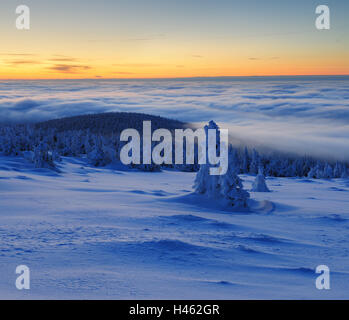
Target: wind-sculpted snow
{"x": 299, "y": 114}
{"x": 88, "y": 233}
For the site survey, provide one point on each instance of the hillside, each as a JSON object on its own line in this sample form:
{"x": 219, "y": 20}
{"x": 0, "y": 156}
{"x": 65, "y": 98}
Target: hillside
{"x": 109, "y": 123}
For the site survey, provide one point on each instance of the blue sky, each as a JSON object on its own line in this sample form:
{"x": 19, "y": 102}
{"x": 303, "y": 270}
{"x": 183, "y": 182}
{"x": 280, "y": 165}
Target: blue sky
{"x": 137, "y": 38}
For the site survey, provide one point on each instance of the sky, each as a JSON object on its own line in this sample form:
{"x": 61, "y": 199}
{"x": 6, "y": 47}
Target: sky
{"x": 170, "y": 39}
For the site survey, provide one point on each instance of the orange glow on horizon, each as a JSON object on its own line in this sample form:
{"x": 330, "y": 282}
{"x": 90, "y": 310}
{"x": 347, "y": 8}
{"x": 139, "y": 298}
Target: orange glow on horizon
{"x": 169, "y": 60}
{"x": 66, "y": 71}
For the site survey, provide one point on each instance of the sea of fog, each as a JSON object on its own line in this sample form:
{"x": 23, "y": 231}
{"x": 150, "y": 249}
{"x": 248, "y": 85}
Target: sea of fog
{"x": 306, "y": 115}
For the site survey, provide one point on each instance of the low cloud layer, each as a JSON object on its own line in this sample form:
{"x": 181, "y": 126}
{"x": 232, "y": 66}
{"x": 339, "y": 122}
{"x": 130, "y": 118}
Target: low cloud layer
{"x": 305, "y": 115}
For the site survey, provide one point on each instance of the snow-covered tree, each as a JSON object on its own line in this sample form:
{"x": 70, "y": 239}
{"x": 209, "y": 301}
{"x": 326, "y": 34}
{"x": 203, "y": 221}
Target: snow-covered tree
{"x": 96, "y": 157}
{"x": 337, "y": 170}
{"x": 228, "y": 187}
{"x": 255, "y": 162}
{"x": 245, "y": 162}
{"x": 204, "y": 182}
{"x": 312, "y": 173}
{"x": 232, "y": 189}
{"x": 259, "y": 184}
{"x": 42, "y": 158}
{"x": 200, "y": 184}
{"x": 328, "y": 172}
{"x": 56, "y": 157}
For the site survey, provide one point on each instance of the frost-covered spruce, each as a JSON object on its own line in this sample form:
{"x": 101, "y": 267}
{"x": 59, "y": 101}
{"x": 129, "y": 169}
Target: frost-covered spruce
{"x": 200, "y": 184}
{"x": 316, "y": 172}
{"x": 42, "y": 158}
{"x": 328, "y": 172}
{"x": 207, "y": 184}
{"x": 214, "y": 126}
{"x": 228, "y": 186}
{"x": 231, "y": 187}
{"x": 245, "y": 162}
{"x": 255, "y": 162}
{"x": 312, "y": 173}
{"x": 204, "y": 182}
{"x": 337, "y": 170}
{"x": 97, "y": 157}
{"x": 56, "y": 157}
{"x": 259, "y": 184}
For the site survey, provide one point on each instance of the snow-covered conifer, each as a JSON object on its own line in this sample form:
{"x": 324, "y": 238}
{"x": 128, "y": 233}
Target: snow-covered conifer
{"x": 328, "y": 172}
{"x": 255, "y": 162}
{"x": 259, "y": 184}
{"x": 42, "y": 157}
{"x": 96, "y": 157}
{"x": 232, "y": 189}
{"x": 245, "y": 162}
{"x": 344, "y": 174}
{"x": 200, "y": 184}
{"x": 312, "y": 173}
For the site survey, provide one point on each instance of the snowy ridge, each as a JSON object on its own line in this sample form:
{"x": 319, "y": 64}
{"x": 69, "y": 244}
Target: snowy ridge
{"x": 90, "y": 232}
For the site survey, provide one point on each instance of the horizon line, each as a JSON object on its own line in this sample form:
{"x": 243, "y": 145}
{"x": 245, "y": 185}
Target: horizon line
{"x": 182, "y": 78}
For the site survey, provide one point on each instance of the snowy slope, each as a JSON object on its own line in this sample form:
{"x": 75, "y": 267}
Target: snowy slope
{"x": 106, "y": 233}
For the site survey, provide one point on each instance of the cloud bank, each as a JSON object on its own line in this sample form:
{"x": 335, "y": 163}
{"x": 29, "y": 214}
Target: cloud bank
{"x": 304, "y": 115}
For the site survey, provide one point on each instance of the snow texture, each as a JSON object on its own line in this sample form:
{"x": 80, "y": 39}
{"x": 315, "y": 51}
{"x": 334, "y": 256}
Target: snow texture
{"x": 88, "y": 232}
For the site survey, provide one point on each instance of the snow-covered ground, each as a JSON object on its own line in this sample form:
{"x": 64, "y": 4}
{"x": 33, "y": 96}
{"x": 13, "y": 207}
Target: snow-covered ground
{"x": 104, "y": 233}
